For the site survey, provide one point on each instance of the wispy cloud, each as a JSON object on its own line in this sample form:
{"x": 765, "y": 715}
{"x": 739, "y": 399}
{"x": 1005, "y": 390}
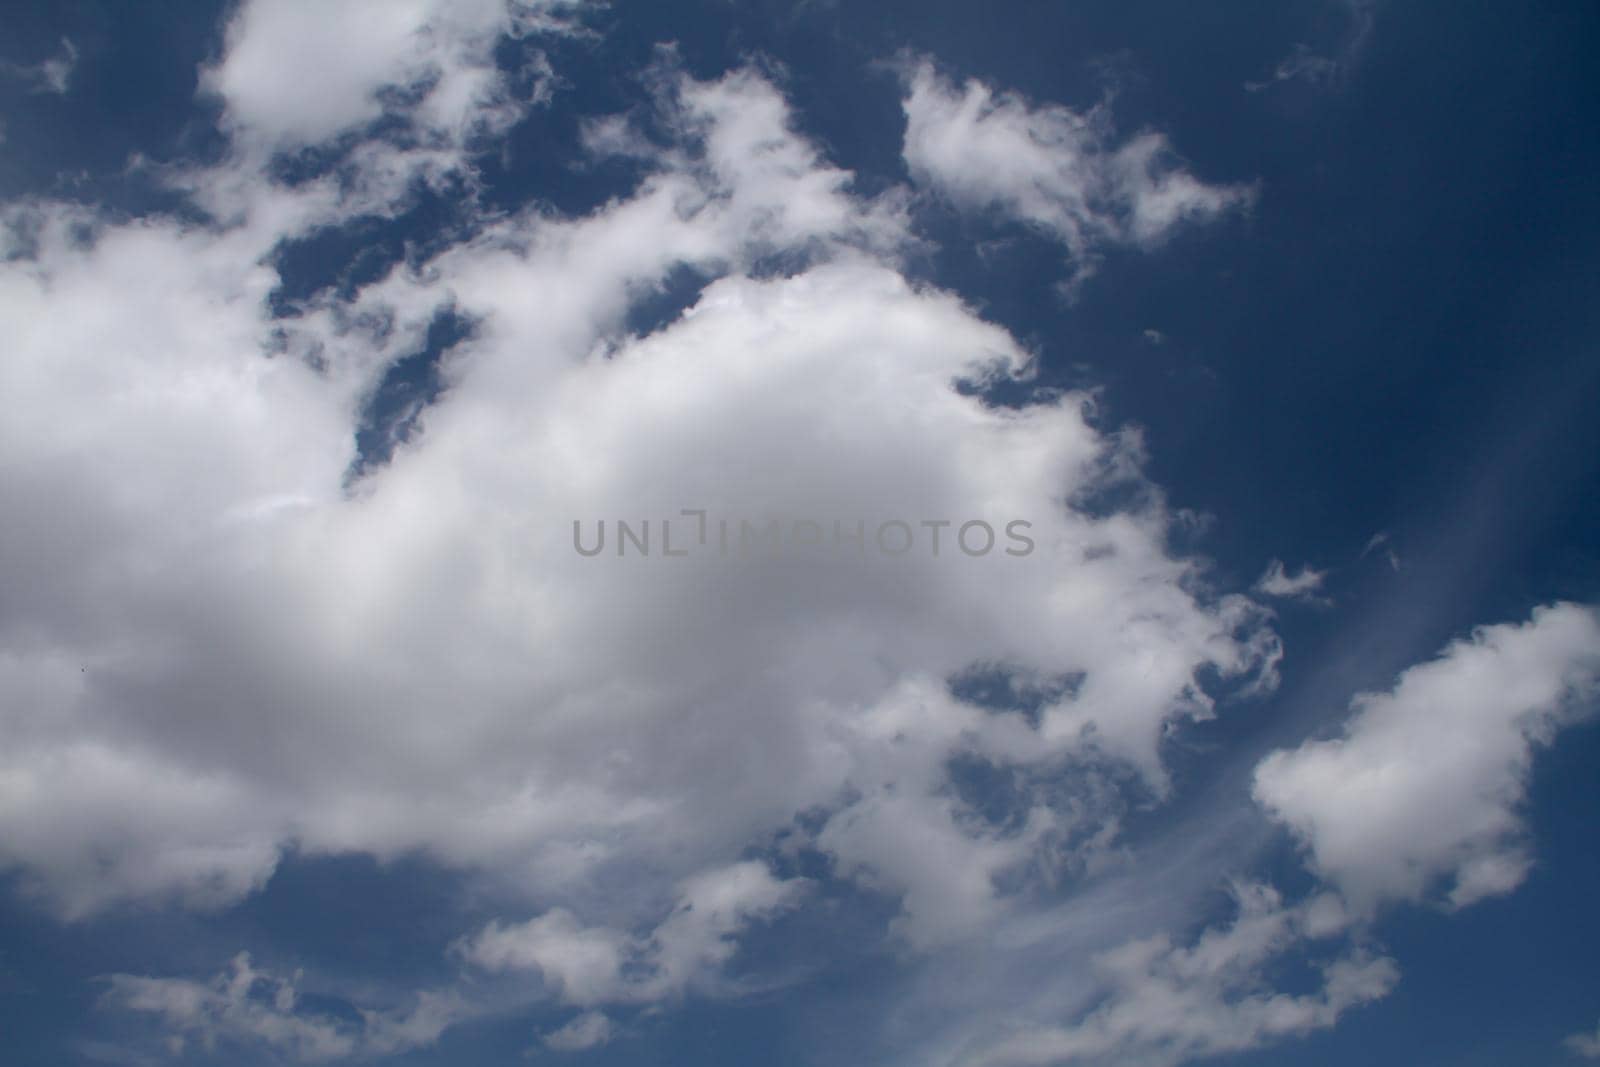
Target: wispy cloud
{"x": 1062, "y": 171}
{"x": 589, "y": 1030}
{"x": 1585, "y": 1045}
{"x": 1381, "y": 541}
{"x": 52, "y": 75}
{"x": 1325, "y": 70}
{"x": 1276, "y": 581}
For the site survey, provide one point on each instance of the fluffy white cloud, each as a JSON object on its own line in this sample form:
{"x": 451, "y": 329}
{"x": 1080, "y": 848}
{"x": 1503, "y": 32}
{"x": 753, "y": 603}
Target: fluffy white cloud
{"x": 1060, "y": 170}
{"x": 299, "y": 73}
{"x": 581, "y": 965}
{"x": 1427, "y": 781}
{"x": 426, "y": 663}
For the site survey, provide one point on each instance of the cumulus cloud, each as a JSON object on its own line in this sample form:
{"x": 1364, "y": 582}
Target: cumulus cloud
{"x": 296, "y": 74}
{"x": 579, "y": 964}
{"x": 1426, "y": 782}
{"x": 424, "y": 663}
{"x": 211, "y": 626}
{"x": 1062, "y": 171}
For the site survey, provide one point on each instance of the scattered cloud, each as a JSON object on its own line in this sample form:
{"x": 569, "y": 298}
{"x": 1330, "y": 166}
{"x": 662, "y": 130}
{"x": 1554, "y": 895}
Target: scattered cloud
{"x": 589, "y": 1030}
{"x": 245, "y": 1005}
{"x": 293, "y": 75}
{"x": 1378, "y": 541}
{"x": 585, "y": 966}
{"x": 1300, "y": 65}
{"x": 1062, "y": 171}
{"x": 1585, "y": 1045}
{"x": 1305, "y": 64}
{"x": 52, "y": 75}
{"x": 1167, "y": 1004}
{"x": 217, "y": 644}
{"x": 1425, "y": 785}
{"x": 1278, "y": 582}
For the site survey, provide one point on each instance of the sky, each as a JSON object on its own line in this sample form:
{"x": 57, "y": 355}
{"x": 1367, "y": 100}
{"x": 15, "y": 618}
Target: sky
{"x": 899, "y": 534}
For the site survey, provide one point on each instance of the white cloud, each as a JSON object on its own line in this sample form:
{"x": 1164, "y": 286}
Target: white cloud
{"x": 1585, "y": 1045}
{"x": 1426, "y": 783}
{"x": 695, "y": 941}
{"x": 300, "y": 73}
{"x": 1168, "y": 1004}
{"x": 79, "y": 809}
{"x": 589, "y": 1030}
{"x": 1278, "y": 582}
{"x": 245, "y": 1005}
{"x": 1060, "y": 170}
{"x": 580, "y": 965}
{"x": 586, "y": 966}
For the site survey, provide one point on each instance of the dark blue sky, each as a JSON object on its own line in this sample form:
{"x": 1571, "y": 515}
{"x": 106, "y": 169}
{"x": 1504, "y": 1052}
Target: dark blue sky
{"x": 1399, "y": 338}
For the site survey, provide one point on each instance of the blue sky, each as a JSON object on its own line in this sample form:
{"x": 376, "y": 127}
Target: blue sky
{"x": 327, "y": 323}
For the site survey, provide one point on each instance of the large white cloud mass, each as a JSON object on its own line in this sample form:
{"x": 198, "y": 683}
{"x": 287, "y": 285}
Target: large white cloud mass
{"x": 217, "y": 647}
{"x": 227, "y": 634}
